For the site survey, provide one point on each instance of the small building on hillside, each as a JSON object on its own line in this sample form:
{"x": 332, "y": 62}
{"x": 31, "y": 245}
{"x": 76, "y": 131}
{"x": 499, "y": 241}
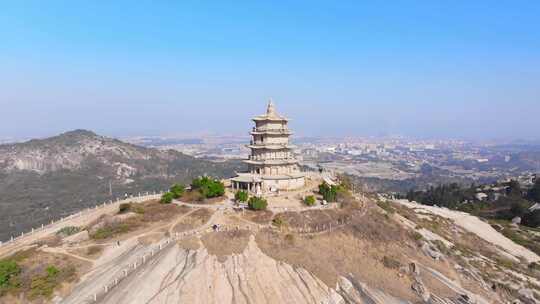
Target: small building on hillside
{"x": 271, "y": 164}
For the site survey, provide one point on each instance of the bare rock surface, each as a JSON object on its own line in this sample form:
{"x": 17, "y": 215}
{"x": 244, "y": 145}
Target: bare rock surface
{"x": 177, "y": 275}
{"x": 482, "y": 229}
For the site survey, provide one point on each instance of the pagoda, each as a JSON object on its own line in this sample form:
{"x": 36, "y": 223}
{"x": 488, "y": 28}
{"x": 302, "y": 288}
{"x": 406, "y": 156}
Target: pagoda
{"x": 271, "y": 165}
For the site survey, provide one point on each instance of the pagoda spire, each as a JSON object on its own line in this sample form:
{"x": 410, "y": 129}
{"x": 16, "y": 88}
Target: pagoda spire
{"x": 270, "y": 110}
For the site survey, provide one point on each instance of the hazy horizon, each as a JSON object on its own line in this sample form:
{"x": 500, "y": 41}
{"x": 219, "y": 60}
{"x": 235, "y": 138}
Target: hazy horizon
{"x": 436, "y": 70}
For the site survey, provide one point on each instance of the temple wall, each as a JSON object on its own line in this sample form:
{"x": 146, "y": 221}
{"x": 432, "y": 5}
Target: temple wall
{"x": 260, "y": 154}
{"x": 276, "y": 140}
{"x": 285, "y": 184}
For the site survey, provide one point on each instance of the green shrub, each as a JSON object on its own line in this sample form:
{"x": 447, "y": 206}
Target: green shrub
{"x": 43, "y": 285}
{"x": 309, "y": 200}
{"x": 241, "y": 196}
{"x": 67, "y": 231}
{"x": 257, "y": 203}
{"x": 124, "y": 208}
{"x": 167, "y": 198}
{"x": 208, "y": 187}
{"x": 9, "y": 272}
{"x": 110, "y": 231}
{"x": 177, "y": 190}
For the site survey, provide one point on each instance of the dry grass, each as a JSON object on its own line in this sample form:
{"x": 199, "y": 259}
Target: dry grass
{"x": 312, "y": 218}
{"x": 91, "y": 252}
{"x": 49, "y": 241}
{"x": 257, "y": 217}
{"x": 151, "y": 212}
{"x": 190, "y": 243}
{"x": 34, "y": 264}
{"x": 195, "y": 197}
{"x": 155, "y": 211}
{"x": 337, "y": 254}
{"x": 226, "y": 243}
{"x": 372, "y": 248}
{"x": 193, "y": 220}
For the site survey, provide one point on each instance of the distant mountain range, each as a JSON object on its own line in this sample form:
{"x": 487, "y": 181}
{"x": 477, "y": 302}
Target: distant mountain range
{"x": 44, "y": 179}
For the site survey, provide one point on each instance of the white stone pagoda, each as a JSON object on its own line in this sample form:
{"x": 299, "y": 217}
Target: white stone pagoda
{"x": 271, "y": 165}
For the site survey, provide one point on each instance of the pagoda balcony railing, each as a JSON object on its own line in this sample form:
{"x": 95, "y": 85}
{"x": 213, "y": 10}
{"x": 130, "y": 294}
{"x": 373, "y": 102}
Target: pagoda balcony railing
{"x": 280, "y": 130}
{"x": 257, "y": 158}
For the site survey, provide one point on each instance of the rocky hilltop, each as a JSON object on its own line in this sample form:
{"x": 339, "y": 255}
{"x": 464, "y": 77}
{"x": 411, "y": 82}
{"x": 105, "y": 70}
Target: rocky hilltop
{"x": 43, "y": 179}
{"x": 360, "y": 249}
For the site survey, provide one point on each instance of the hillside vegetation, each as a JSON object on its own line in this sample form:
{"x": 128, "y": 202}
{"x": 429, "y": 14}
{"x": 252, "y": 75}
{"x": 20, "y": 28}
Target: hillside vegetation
{"x": 49, "y": 178}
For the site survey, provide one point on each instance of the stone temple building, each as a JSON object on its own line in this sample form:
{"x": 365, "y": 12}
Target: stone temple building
{"x": 271, "y": 165}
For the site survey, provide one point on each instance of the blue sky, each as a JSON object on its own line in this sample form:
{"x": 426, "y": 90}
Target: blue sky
{"x": 436, "y": 69}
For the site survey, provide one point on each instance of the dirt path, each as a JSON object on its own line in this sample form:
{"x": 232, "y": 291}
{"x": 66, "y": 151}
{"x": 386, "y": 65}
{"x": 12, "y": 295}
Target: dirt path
{"x": 65, "y": 252}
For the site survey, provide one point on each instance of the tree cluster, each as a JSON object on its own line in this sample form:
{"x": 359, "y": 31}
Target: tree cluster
{"x": 329, "y": 193}
{"x": 450, "y": 195}
{"x": 208, "y": 187}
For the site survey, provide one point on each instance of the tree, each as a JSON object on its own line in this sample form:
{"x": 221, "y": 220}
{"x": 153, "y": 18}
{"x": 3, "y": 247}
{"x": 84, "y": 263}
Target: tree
{"x": 309, "y": 200}
{"x": 241, "y": 196}
{"x": 257, "y": 203}
{"x": 518, "y": 209}
{"x": 531, "y": 219}
{"x": 534, "y": 192}
{"x": 328, "y": 192}
{"x": 514, "y": 189}
{"x": 167, "y": 198}
{"x": 177, "y": 190}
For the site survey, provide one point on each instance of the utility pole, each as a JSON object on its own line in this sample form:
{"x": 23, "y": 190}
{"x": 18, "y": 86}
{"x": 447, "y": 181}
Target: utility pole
{"x": 110, "y": 188}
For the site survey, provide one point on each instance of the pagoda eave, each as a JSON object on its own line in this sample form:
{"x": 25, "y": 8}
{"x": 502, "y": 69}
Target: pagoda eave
{"x": 269, "y": 147}
{"x": 286, "y": 133}
{"x": 271, "y": 162}
{"x": 270, "y": 119}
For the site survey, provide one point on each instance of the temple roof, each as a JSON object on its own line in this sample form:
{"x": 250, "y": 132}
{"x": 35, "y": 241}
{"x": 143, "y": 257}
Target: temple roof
{"x": 270, "y": 114}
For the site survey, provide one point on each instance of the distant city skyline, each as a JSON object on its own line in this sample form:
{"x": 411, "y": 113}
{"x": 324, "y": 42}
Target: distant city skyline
{"x": 433, "y": 69}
